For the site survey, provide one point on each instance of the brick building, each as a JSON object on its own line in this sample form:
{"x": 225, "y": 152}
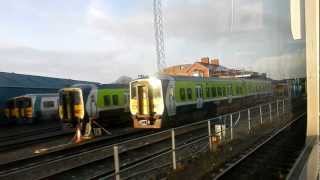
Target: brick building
{"x": 208, "y": 68}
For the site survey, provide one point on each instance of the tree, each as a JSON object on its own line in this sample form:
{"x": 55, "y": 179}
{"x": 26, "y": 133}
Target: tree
{"x": 123, "y": 80}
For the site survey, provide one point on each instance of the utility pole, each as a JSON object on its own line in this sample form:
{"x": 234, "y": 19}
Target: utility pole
{"x": 158, "y": 27}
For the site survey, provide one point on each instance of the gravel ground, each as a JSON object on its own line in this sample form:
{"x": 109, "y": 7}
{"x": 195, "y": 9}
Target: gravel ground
{"x": 30, "y": 151}
{"x": 7, "y": 130}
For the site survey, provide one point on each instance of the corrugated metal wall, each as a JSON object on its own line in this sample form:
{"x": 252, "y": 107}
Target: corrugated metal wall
{"x": 12, "y": 85}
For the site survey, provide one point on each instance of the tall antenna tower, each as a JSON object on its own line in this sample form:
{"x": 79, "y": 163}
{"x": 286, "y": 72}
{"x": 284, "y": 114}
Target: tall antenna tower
{"x": 158, "y": 27}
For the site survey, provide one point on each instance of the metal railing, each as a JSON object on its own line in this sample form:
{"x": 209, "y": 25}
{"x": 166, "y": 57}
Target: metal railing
{"x": 171, "y": 148}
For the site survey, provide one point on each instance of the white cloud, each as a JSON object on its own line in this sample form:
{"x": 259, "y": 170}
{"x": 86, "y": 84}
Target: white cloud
{"x": 291, "y": 65}
{"x": 125, "y": 40}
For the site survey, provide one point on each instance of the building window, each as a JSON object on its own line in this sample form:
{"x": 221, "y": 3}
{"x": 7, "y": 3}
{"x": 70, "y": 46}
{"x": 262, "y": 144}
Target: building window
{"x": 106, "y": 99}
{"x": 197, "y": 73}
{"x": 182, "y": 94}
{"x": 189, "y": 93}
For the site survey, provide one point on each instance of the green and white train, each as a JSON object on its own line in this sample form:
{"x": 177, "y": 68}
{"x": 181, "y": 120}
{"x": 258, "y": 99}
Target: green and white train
{"x": 163, "y": 101}
{"x": 106, "y": 104}
{"x": 30, "y": 108}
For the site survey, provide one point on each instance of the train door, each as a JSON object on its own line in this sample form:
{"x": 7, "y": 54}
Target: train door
{"x": 171, "y": 101}
{"x": 199, "y": 97}
{"x": 143, "y": 100}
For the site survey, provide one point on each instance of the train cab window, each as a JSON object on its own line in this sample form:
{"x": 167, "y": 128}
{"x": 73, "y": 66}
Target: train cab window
{"x": 115, "y": 100}
{"x": 214, "y": 91}
{"x": 27, "y": 103}
{"x": 182, "y": 94}
{"x": 189, "y": 93}
{"x": 156, "y": 92}
{"x": 48, "y": 104}
{"x": 133, "y": 91}
{"x": 107, "y": 100}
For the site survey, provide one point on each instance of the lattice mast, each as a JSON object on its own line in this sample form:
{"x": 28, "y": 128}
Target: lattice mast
{"x": 158, "y": 27}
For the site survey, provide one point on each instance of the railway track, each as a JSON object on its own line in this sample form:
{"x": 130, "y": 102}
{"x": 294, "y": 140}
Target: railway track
{"x": 135, "y": 154}
{"x": 271, "y": 159}
{"x": 31, "y": 137}
{"x": 62, "y": 158}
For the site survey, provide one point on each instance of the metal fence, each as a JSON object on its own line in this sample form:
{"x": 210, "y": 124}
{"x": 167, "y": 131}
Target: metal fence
{"x": 146, "y": 156}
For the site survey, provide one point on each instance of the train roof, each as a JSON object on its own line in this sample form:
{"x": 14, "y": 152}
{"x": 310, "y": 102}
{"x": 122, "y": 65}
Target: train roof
{"x": 43, "y": 94}
{"x": 113, "y": 86}
{"x": 194, "y": 78}
{"x": 101, "y": 86}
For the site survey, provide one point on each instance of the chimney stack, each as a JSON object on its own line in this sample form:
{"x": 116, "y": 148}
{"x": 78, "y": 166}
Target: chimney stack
{"x": 205, "y": 60}
{"x": 215, "y": 61}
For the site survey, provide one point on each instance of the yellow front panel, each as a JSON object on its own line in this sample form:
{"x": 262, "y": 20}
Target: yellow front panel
{"x": 133, "y": 106}
{"x": 145, "y": 109}
{"x": 79, "y": 111}
{"x": 7, "y": 112}
{"x": 61, "y": 112}
{"x": 16, "y": 113}
{"x": 28, "y": 112}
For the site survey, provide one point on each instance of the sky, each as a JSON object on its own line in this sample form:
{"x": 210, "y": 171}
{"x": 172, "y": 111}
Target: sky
{"x": 100, "y": 40}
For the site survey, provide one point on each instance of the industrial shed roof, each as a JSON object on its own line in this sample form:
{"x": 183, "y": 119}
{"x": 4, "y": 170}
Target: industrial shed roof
{"x": 31, "y": 81}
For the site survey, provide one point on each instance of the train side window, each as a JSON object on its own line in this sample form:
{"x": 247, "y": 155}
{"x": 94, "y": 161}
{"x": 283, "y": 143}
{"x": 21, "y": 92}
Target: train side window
{"x": 48, "y": 104}
{"x": 224, "y": 91}
{"x": 182, "y": 94}
{"x": 189, "y": 93}
{"x": 201, "y": 92}
{"x": 208, "y": 92}
{"x": 115, "y": 100}
{"x": 238, "y": 90}
{"x": 219, "y": 91}
{"x": 107, "y": 100}
{"x": 214, "y": 91}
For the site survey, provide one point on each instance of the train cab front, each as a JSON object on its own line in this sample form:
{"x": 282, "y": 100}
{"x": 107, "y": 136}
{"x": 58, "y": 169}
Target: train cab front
{"x": 146, "y": 103}
{"x": 12, "y": 111}
{"x": 71, "y": 106}
{"x": 25, "y": 109}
